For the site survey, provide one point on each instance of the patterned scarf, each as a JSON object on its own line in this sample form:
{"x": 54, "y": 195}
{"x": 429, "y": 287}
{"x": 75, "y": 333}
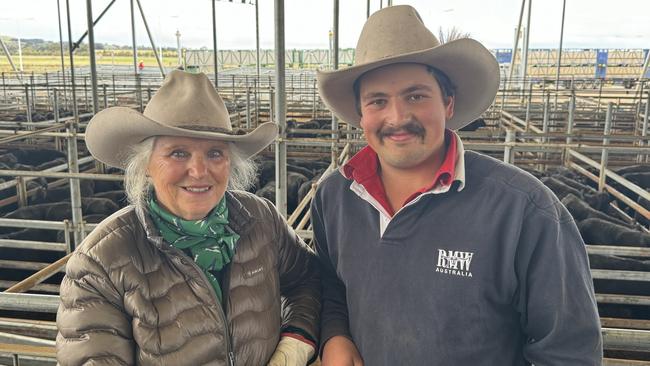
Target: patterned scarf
{"x": 210, "y": 242}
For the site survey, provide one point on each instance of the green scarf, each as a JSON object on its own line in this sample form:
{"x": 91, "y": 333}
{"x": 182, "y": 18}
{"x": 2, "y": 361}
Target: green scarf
{"x": 209, "y": 240}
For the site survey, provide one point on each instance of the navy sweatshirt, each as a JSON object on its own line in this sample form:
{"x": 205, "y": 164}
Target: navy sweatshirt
{"x": 495, "y": 274}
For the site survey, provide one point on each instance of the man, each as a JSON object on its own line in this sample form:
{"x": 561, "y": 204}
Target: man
{"x": 433, "y": 255}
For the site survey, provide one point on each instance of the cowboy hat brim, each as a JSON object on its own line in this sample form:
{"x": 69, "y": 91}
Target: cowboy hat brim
{"x": 470, "y": 67}
{"x": 113, "y": 132}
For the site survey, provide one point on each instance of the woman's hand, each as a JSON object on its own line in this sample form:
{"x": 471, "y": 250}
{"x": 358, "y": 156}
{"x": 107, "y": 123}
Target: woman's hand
{"x": 291, "y": 352}
{"x": 340, "y": 351}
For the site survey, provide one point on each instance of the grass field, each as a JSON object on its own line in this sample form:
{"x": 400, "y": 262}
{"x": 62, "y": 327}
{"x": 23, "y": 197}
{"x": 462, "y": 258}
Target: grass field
{"x": 43, "y": 63}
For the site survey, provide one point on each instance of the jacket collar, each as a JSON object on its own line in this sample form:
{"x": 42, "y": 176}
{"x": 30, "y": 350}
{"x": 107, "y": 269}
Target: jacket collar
{"x": 239, "y": 218}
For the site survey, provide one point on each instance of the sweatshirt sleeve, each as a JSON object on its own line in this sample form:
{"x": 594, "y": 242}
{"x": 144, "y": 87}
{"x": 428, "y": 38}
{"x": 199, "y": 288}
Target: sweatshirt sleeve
{"x": 93, "y": 329}
{"x": 334, "y": 315}
{"x": 556, "y": 297}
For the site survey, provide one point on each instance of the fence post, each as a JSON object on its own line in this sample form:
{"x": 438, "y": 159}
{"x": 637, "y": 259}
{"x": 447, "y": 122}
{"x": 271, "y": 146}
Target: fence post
{"x": 508, "y": 150}
{"x": 605, "y": 153}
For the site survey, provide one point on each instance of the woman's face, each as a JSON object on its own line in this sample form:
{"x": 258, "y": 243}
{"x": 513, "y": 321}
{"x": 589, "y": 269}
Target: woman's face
{"x": 189, "y": 175}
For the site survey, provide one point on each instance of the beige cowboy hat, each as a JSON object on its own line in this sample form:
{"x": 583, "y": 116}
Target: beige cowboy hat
{"x": 396, "y": 34}
{"x": 186, "y": 105}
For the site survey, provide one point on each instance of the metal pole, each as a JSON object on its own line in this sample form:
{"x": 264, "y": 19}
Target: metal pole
{"x": 138, "y": 94}
{"x": 214, "y": 42}
{"x": 28, "y": 104}
{"x": 524, "y": 54}
{"x": 514, "y": 49}
{"x": 545, "y": 121}
{"x": 572, "y": 110}
{"x": 6, "y": 52}
{"x": 91, "y": 50}
{"x": 178, "y": 47}
{"x": 74, "y": 46}
{"x": 605, "y": 153}
{"x": 75, "y": 111}
{"x": 75, "y": 191}
{"x": 153, "y": 45}
{"x": 280, "y": 111}
{"x": 644, "y": 127}
{"x": 57, "y": 140}
{"x": 58, "y": 10}
{"x": 508, "y": 153}
{"x": 559, "y": 54}
{"x": 257, "y": 43}
{"x": 248, "y": 106}
{"x": 367, "y": 9}
{"x": 335, "y": 66}
{"x": 105, "y": 96}
{"x": 569, "y": 127}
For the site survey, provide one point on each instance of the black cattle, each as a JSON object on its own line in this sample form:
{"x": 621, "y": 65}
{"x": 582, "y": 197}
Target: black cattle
{"x": 51, "y": 163}
{"x": 604, "y": 286}
{"x": 59, "y": 194}
{"x": 580, "y": 210}
{"x": 62, "y": 210}
{"x": 268, "y": 191}
{"x": 108, "y": 185}
{"x": 597, "y": 200}
{"x": 9, "y": 159}
{"x": 641, "y": 168}
{"x": 35, "y": 157}
{"x": 574, "y": 183}
{"x": 294, "y": 182}
{"x": 474, "y": 125}
{"x": 645, "y": 204}
{"x": 560, "y": 189}
{"x": 310, "y": 125}
{"x": 304, "y": 189}
{"x": 316, "y": 167}
{"x": 601, "y": 232}
{"x": 641, "y": 179}
{"x": 118, "y": 197}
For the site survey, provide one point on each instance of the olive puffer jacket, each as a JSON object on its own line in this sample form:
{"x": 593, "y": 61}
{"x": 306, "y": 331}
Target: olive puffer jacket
{"x": 129, "y": 298}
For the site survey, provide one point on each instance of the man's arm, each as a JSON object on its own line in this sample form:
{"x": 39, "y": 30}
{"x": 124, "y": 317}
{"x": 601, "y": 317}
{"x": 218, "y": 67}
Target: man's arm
{"x": 556, "y": 296}
{"x": 337, "y": 347}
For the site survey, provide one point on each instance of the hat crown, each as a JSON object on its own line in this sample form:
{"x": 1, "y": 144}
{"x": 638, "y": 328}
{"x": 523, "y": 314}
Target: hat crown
{"x": 393, "y": 31}
{"x": 188, "y": 100}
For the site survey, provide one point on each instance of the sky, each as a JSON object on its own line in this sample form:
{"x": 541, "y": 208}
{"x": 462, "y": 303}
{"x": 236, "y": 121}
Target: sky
{"x": 623, "y": 24}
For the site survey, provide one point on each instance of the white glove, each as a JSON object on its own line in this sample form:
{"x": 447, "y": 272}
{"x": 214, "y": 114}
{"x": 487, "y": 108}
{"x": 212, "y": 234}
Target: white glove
{"x": 291, "y": 352}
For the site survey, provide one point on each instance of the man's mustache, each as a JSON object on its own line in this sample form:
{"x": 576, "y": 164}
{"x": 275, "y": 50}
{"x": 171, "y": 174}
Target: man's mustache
{"x": 412, "y": 127}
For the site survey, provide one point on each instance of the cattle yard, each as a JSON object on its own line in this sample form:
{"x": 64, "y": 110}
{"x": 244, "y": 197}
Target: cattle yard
{"x": 587, "y": 140}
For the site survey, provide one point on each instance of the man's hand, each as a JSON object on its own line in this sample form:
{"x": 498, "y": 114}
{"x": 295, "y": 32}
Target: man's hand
{"x": 291, "y": 352}
{"x": 340, "y": 351}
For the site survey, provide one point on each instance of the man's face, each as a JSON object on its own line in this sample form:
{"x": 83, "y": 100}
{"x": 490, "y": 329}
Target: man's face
{"x": 403, "y": 115}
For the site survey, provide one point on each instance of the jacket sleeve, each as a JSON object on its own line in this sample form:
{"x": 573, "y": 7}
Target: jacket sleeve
{"x": 556, "y": 297}
{"x": 92, "y": 328}
{"x": 335, "y": 311}
{"x": 299, "y": 281}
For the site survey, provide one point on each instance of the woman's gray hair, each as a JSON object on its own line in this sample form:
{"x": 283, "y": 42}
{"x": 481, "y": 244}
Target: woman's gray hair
{"x": 138, "y": 186}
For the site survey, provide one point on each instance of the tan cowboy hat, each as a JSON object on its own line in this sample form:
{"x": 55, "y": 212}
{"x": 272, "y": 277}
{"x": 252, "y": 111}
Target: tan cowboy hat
{"x": 186, "y": 105}
{"x": 396, "y": 34}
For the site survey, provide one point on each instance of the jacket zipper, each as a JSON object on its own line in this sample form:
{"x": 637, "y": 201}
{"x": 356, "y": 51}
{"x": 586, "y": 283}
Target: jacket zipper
{"x": 221, "y": 312}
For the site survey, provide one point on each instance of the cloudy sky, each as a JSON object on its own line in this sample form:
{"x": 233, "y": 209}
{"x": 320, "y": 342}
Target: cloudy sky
{"x": 589, "y": 23}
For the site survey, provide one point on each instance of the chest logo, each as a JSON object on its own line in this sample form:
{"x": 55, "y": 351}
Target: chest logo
{"x": 454, "y": 262}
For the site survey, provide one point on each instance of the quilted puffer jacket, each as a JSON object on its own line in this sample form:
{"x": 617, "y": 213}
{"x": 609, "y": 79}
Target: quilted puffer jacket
{"x": 130, "y": 298}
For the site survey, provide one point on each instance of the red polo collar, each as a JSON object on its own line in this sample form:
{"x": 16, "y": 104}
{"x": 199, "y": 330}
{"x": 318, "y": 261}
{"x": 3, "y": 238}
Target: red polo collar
{"x": 363, "y": 168}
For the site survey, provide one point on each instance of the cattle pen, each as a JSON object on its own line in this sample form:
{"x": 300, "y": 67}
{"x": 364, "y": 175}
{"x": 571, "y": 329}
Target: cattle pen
{"x": 584, "y": 135}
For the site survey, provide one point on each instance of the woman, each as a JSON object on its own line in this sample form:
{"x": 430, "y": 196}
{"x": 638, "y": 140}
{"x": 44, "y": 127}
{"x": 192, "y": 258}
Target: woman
{"x": 192, "y": 272}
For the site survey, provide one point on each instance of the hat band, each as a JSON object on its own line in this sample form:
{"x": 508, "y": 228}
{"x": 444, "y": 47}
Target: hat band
{"x": 213, "y": 129}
